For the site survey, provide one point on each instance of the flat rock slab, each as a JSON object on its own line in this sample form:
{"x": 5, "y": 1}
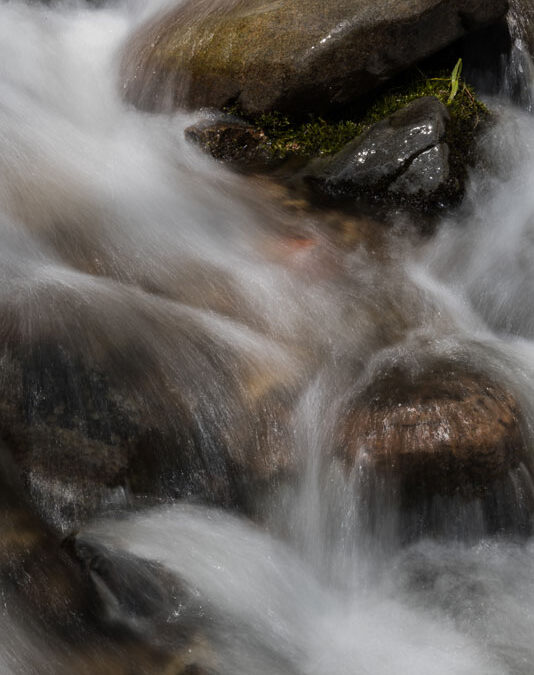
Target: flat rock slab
{"x": 288, "y": 55}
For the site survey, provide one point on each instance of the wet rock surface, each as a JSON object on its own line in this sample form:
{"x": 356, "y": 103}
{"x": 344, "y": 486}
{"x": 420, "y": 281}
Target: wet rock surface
{"x": 521, "y": 20}
{"x": 87, "y": 441}
{"x": 105, "y": 612}
{"x": 426, "y": 174}
{"x": 403, "y": 156}
{"x": 235, "y": 143}
{"x": 140, "y": 596}
{"x": 288, "y": 56}
{"x": 446, "y": 430}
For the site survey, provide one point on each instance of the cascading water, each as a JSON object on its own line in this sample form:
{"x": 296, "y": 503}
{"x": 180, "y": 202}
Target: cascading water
{"x": 160, "y": 292}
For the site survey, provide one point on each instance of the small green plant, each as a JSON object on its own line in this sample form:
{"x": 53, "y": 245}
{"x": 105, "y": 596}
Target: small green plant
{"x": 455, "y": 80}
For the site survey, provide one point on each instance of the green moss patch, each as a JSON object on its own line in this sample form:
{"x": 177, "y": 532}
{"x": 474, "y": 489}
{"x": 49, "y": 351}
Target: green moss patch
{"x": 319, "y": 137}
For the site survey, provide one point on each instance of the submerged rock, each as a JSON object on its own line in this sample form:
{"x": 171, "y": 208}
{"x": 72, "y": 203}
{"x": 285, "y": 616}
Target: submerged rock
{"x": 404, "y": 155}
{"x": 96, "y": 613}
{"x": 90, "y": 434}
{"x": 288, "y": 55}
{"x": 445, "y": 430}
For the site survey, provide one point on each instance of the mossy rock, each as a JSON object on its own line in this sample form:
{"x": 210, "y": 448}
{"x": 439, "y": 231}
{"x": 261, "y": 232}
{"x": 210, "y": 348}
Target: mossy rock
{"x": 320, "y": 136}
{"x": 411, "y": 157}
{"x": 429, "y": 182}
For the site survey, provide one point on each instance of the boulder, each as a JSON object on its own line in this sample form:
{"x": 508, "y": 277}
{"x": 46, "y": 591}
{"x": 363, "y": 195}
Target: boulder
{"x": 288, "y": 55}
{"x": 402, "y": 156}
{"x": 444, "y": 430}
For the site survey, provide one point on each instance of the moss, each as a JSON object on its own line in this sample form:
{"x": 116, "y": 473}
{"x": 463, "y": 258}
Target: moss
{"x": 318, "y": 137}
{"x": 311, "y": 139}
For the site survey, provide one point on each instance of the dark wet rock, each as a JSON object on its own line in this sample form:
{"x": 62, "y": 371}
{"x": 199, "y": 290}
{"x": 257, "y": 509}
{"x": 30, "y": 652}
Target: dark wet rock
{"x": 521, "y": 24}
{"x": 427, "y": 173}
{"x": 69, "y": 433}
{"x": 403, "y": 156}
{"x": 444, "y": 430}
{"x": 291, "y": 56}
{"x": 235, "y": 143}
{"x": 89, "y": 436}
{"x": 82, "y": 437}
{"x": 67, "y": 599}
{"x": 140, "y": 600}
{"x": 138, "y": 595}
{"x": 39, "y": 580}
{"x": 508, "y": 65}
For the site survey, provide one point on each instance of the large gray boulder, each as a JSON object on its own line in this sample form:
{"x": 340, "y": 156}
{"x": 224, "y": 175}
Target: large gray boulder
{"x": 289, "y": 55}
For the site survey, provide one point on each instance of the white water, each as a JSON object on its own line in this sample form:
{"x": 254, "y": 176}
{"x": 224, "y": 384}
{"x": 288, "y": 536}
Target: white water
{"x": 122, "y": 243}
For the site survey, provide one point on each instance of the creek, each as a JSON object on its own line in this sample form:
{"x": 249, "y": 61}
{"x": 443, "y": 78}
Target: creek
{"x": 199, "y": 292}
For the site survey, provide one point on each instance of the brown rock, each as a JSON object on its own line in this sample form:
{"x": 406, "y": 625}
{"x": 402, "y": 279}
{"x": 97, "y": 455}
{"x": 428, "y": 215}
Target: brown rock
{"x": 442, "y": 430}
{"x": 290, "y": 55}
{"x": 231, "y": 142}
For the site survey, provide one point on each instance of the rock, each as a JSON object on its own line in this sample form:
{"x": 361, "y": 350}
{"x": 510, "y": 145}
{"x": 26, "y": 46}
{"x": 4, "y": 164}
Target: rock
{"x": 444, "y": 430}
{"x": 287, "y": 55}
{"x": 521, "y": 23}
{"x": 139, "y": 595}
{"x": 89, "y": 436}
{"x": 513, "y": 50}
{"x": 426, "y": 174}
{"x": 232, "y": 142}
{"x": 404, "y": 155}
{"x": 83, "y": 434}
{"x": 96, "y": 612}
{"x": 69, "y": 431}
{"x": 39, "y": 579}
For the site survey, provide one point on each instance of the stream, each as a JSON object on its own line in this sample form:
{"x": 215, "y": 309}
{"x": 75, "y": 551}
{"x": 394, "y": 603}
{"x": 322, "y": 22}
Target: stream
{"x": 165, "y": 293}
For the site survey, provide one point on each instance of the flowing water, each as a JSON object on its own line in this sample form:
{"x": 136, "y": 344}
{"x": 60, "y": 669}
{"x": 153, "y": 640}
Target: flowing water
{"x": 199, "y": 293}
